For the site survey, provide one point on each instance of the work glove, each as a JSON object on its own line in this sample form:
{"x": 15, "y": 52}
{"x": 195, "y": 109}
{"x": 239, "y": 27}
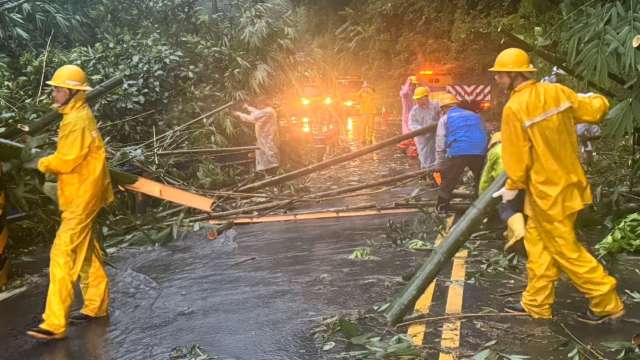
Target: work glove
{"x": 516, "y": 229}
{"x": 506, "y": 194}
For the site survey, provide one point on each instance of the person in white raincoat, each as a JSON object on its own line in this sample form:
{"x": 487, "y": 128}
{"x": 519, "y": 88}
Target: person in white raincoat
{"x": 425, "y": 113}
{"x": 265, "y": 120}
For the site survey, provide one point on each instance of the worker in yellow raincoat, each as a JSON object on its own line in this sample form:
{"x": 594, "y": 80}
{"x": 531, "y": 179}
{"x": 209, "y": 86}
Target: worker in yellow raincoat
{"x": 84, "y": 186}
{"x": 540, "y": 156}
{"x": 366, "y": 119}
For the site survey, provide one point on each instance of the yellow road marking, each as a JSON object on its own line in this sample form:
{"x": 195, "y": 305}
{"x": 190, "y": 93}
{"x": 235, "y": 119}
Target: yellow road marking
{"x": 416, "y": 331}
{"x": 451, "y": 329}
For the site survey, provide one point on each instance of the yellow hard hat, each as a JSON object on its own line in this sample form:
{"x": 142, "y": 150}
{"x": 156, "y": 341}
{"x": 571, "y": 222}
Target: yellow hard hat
{"x": 447, "y": 99}
{"x": 413, "y": 79}
{"x": 513, "y": 59}
{"x": 70, "y": 77}
{"x": 420, "y": 92}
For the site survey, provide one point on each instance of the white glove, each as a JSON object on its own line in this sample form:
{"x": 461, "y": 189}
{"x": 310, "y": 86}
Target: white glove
{"x": 506, "y": 194}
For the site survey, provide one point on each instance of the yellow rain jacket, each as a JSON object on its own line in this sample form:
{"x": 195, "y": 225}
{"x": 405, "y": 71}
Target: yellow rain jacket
{"x": 540, "y": 156}
{"x": 84, "y": 186}
{"x": 540, "y": 145}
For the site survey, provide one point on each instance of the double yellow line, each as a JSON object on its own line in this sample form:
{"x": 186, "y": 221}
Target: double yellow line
{"x": 450, "y": 340}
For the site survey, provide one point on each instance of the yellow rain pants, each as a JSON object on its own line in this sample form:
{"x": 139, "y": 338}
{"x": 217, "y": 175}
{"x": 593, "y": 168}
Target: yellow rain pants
{"x": 84, "y": 186}
{"x": 540, "y": 156}
{"x": 552, "y": 247}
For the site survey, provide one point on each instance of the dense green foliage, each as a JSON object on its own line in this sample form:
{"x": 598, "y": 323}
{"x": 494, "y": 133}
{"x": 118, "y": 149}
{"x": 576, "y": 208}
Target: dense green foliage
{"x": 179, "y": 61}
{"x": 625, "y": 237}
{"x": 398, "y": 37}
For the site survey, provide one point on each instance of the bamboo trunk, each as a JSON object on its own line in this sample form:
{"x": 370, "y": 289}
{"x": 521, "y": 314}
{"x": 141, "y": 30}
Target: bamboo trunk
{"x": 223, "y": 214}
{"x": 221, "y": 151}
{"x": 454, "y": 240}
{"x": 50, "y": 117}
{"x": 364, "y": 210}
{"x": 349, "y": 189}
{"x": 335, "y": 161}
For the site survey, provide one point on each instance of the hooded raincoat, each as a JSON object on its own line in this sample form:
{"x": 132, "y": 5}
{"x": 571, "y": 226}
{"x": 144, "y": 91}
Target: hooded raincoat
{"x": 540, "y": 156}
{"x": 266, "y": 127}
{"x": 426, "y": 144}
{"x": 84, "y": 186}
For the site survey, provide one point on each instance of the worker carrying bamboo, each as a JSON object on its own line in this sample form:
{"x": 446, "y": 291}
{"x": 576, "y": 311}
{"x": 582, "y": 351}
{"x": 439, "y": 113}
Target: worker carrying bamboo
{"x": 406, "y": 97}
{"x": 265, "y": 120}
{"x": 540, "y": 156}
{"x": 84, "y": 187}
{"x": 461, "y": 143}
{"x": 425, "y": 114}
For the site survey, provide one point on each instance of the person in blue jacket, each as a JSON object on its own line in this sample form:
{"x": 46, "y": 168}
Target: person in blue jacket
{"x": 461, "y": 142}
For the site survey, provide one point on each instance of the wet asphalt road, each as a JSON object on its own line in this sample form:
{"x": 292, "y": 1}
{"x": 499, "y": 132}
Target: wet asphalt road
{"x": 258, "y": 292}
{"x": 255, "y": 293}
{"x": 190, "y": 292}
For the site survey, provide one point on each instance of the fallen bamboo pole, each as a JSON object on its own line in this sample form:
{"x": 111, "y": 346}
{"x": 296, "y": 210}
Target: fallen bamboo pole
{"x": 266, "y": 206}
{"x": 221, "y": 151}
{"x": 335, "y": 161}
{"x": 454, "y": 240}
{"x": 316, "y": 196}
{"x": 391, "y": 180}
{"x": 53, "y": 115}
{"x": 329, "y": 194}
{"x": 315, "y": 216}
{"x": 364, "y": 210}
